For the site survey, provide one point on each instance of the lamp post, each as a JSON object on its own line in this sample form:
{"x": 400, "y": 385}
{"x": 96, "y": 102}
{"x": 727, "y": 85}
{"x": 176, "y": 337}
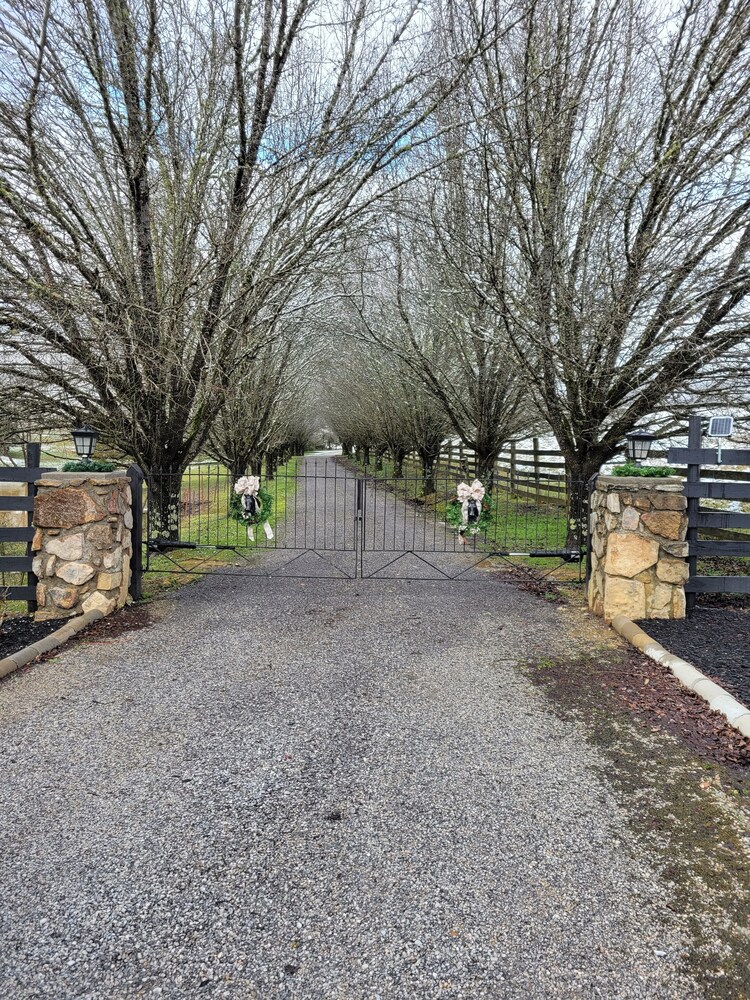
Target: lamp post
{"x": 84, "y": 439}
{"x": 638, "y": 445}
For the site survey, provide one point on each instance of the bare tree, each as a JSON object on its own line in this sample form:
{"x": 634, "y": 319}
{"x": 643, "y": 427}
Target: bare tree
{"x": 373, "y": 400}
{"x": 142, "y": 146}
{"x": 262, "y": 403}
{"x": 609, "y": 145}
{"x": 427, "y": 314}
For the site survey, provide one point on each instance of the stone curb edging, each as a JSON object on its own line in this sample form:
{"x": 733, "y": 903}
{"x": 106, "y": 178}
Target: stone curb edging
{"x": 688, "y": 675}
{"x": 49, "y": 642}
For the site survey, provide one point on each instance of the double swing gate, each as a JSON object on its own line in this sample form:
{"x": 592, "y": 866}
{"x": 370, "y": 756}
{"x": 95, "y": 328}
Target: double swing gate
{"x": 331, "y": 519}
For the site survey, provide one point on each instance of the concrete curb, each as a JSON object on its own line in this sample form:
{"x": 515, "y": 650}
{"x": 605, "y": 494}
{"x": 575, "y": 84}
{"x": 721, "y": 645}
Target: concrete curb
{"x": 49, "y": 642}
{"x": 689, "y": 676}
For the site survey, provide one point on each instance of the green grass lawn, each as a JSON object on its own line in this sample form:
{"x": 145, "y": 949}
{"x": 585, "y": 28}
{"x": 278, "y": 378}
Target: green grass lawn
{"x": 205, "y": 521}
{"x": 519, "y": 523}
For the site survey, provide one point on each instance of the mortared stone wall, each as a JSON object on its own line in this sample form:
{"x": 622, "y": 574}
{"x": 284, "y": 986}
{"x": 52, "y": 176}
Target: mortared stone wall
{"x": 82, "y": 543}
{"x": 638, "y": 548}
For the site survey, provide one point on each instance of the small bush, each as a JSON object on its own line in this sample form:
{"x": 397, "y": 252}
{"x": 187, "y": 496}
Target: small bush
{"x": 92, "y": 465}
{"x": 645, "y": 471}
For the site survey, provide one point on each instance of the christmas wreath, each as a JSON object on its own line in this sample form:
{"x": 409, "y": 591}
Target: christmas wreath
{"x": 251, "y": 504}
{"x": 262, "y": 513}
{"x": 471, "y": 511}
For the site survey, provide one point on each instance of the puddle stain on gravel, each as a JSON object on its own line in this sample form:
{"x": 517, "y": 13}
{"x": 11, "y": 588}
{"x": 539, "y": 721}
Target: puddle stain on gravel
{"x": 689, "y": 811}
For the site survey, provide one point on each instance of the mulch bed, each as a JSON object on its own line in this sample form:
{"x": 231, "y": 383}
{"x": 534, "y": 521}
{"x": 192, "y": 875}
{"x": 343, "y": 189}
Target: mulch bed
{"x": 533, "y": 582}
{"x": 656, "y": 699}
{"x": 127, "y": 619}
{"x": 21, "y": 630}
{"x": 716, "y": 640}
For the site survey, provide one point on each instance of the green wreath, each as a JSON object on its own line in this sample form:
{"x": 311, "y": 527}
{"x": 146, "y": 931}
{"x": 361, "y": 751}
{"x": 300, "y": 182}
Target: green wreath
{"x": 454, "y": 517}
{"x": 238, "y": 513}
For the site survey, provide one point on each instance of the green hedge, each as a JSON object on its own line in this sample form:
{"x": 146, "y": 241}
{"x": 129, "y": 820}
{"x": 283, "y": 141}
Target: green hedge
{"x": 645, "y": 471}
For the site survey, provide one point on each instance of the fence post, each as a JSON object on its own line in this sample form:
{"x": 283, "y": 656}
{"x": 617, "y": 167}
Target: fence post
{"x": 590, "y": 486}
{"x": 135, "y": 475}
{"x": 513, "y": 467}
{"x": 535, "y": 446}
{"x": 33, "y": 457}
{"x": 693, "y": 506}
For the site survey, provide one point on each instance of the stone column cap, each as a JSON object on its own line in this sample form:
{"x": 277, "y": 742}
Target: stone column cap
{"x": 77, "y": 478}
{"x": 669, "y": 484}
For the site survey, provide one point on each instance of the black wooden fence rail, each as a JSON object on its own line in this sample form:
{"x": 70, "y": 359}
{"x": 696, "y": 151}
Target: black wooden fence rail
{"x": 17, "y": 535}
{"x": 709, "y": 519}
{"x": 729, "y": 456}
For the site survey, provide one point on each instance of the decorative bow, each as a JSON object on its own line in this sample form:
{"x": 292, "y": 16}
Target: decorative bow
{"x": 247, "y": 485}
{"x": 470, "y": 498}
{"x": 473, "y": 492}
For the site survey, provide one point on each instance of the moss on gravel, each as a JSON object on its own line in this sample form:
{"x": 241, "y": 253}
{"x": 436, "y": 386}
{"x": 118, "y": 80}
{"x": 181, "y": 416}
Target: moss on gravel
{"x": 690, "y": 813}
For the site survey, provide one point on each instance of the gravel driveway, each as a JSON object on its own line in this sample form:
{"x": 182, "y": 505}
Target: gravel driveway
{"x": 314, "y": 789}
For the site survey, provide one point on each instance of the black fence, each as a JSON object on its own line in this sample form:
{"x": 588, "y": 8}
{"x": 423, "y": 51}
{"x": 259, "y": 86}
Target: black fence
{"x": 17, "y": 580}
{"x": 720, "y": 530}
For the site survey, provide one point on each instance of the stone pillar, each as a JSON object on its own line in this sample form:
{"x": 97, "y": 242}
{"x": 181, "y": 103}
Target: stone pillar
{"x": 638, "y": 548}
{"x": 82, "y": 542}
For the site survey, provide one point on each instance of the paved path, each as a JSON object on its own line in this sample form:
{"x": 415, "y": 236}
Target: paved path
{"x": 317, "y": 790}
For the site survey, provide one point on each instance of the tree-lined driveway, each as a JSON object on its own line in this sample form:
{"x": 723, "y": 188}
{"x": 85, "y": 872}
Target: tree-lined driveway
{"x": 318, "y": 789}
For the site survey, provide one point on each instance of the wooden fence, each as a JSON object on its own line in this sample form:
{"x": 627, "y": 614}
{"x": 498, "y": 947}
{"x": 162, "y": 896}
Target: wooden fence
{"x": 705, "y": 520}
{"x": 735, "y": 475}
{"x": 15, "y": 539}
{"x": 524, "y": 471}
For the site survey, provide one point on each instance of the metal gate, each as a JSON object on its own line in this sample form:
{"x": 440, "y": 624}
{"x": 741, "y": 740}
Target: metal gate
{"x": 332, "y": 519}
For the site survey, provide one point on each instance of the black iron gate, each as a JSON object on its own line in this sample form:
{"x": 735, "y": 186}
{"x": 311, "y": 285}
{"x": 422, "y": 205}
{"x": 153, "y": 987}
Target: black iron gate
{"x": 332, "y": 519}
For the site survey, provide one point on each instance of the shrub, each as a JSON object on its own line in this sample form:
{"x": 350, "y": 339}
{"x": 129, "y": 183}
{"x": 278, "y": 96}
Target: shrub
{"x": 646, "y": 471}
{"x": 89, "y": 465}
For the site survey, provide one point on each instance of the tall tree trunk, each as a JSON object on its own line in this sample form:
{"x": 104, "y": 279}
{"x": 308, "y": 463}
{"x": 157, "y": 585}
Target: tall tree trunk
{"x": 237, "y": 470}
{"x": 486, "y": 468}
{"x": 398, "y": 463}
{"x": 579, "y": 468}
{"x": 428, "y": 475}
{"x": 164, "y": 502}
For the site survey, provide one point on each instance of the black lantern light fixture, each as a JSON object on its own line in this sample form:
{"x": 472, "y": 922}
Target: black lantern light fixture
{"x": 639, "y": 445}
{"x": 84, "y": 439}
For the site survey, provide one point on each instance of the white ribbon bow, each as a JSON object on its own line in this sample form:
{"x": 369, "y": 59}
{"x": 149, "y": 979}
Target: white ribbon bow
{"x": 465, "y": 493}
{"x": 473, "y": 492}
{"x": 249, "y": 486}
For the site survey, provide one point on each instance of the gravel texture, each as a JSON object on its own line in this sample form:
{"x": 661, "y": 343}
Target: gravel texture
{"x": 318, "y": 789}
{"x": 716, "y": 640}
